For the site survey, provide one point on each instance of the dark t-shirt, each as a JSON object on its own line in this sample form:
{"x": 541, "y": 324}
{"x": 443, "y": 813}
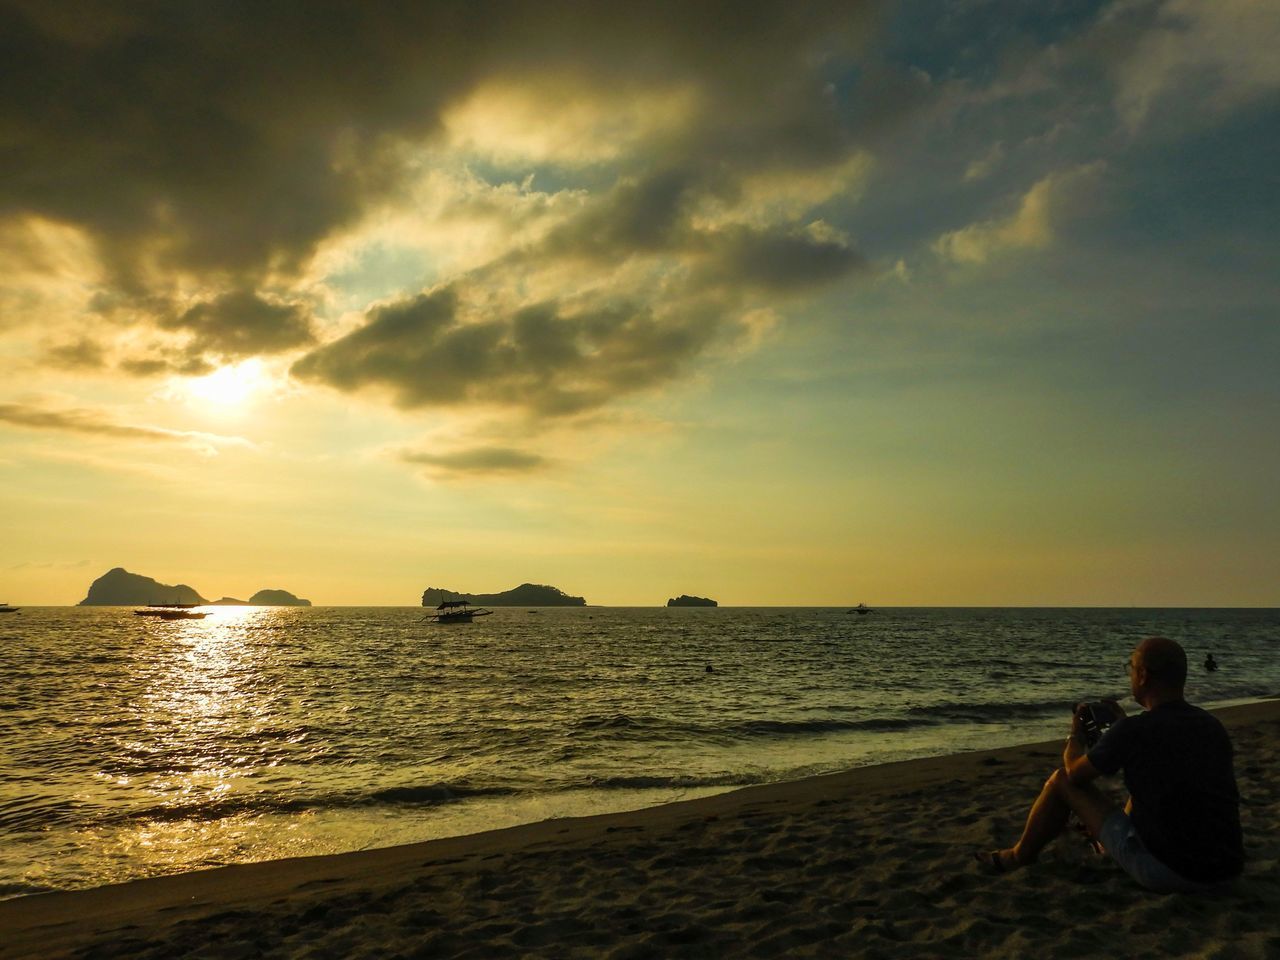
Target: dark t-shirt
{"x": 1177, "y": 766}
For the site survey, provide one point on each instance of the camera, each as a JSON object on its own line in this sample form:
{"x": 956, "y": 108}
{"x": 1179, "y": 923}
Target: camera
{"x": 1096, "y": 718}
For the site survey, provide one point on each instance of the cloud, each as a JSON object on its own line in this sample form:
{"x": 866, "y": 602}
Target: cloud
{"x": 228, "y": 141}
{"x": 230, "y": 182}
{"x": 506, "y": 121}
{"x": 1200, "y": 57}
{"x": 96, "y": 423}
{"x": 80, "y": 354}
{"x": 447, "y": 348}
{"x": 242, "y": 324}
{"x": 982, "y": 167}
{"x": 477, "y": 461}
{"x": 50, "y": 565}
{"x": 781, "y": 260}
{"x": 624, "y": 293}
{"x": 1030, "y": 227}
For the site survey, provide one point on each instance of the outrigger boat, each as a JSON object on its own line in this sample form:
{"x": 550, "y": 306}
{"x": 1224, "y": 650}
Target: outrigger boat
{"x": 861, "y": 609}
{"x": 172, "y": 611}
{"x": 5, "y": 608}
{"x": 456, "y": 611}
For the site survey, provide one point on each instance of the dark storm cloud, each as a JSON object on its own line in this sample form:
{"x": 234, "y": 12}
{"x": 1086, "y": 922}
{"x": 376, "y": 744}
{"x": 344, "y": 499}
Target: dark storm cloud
{"x": 477, "y": 461}
{"x": 547, "y": 359}
{"x": 242, "y": 324}
{"x": 780, "y": 261}
{"x": 223, "y": 143}
{"x": 647, "y": 215}
{"x": 563, "y": 356}
{"x": 233, "y": 137}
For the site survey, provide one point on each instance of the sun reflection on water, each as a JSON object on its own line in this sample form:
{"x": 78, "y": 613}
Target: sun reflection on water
{"x": 206, "y": 704}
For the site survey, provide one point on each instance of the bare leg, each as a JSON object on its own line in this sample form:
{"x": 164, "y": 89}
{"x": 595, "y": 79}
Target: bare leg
{"x": 1058, "y": 799}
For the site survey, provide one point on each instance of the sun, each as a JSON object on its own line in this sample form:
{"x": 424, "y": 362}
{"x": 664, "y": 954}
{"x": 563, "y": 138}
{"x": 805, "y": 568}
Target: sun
{"x": 229, "y": 387}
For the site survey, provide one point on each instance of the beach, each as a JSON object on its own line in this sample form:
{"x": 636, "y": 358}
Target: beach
{"x": 875, "y": 862}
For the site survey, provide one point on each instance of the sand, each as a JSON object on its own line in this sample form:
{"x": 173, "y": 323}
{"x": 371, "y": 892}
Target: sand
{"x": 873, "y": 862}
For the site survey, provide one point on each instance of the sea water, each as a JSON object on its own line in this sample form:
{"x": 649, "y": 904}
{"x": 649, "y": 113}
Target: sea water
{"x": 132, "y": 747}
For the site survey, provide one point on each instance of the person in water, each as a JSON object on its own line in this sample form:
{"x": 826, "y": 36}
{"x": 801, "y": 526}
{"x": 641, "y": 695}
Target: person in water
{"x": 1210, "y": 664}
{"x": 1180, "y": 829}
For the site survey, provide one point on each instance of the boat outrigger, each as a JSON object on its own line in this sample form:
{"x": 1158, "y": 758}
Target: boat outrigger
{"x": 456, "y": 611}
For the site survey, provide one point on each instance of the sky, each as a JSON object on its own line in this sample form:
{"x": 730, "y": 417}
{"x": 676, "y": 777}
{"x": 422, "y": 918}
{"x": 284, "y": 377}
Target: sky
{"x": 804, "y": 303}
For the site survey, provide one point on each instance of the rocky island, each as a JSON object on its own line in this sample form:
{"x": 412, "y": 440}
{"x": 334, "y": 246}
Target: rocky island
{"x": 684, "y": 600}
{"x": 277, "y": 598}
{"x": 264, "y": 598}
{"x": 119, "y": 588}
{"x": 525, "y": 595}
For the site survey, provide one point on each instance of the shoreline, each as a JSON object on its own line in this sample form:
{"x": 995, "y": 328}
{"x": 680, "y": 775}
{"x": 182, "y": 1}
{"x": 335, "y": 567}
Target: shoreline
{"x": 870, "y": 847}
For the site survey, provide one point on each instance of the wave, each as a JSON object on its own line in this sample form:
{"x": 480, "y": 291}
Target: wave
{"x": 657, "y": 782}
{"x": 436, "y": 793}
{"x": 994, "y": 711}
{"x": 34, "y": 816}
{"x": 210, "y": 810}
{"x": 625, "y": 727}
{"x": 412, "y": 795}
{"x": 824, "y": 725}
{"x": 20, "y": 889}
{"x": 21, "y": 812}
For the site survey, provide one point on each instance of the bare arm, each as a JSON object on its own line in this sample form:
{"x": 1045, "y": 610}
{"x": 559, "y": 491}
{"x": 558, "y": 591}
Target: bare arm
{"x": 1075, "y": 755}
{"x": 1075, "y": 761}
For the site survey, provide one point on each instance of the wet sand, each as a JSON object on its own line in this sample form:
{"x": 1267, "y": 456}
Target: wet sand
{"x": 872, "y": 862}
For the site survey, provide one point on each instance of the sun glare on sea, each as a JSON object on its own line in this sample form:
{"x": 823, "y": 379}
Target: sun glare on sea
{"x": 229, "y": 387}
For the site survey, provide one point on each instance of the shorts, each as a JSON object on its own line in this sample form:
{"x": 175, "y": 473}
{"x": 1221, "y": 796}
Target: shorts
{"x": 1124, "y": 845}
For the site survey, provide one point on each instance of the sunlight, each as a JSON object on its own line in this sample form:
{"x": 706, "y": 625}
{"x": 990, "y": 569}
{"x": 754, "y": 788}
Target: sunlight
{"x": 234, "y": 385}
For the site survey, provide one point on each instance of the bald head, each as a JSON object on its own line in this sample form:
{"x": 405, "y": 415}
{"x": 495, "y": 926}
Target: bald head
{"x": 1164, "y": 660}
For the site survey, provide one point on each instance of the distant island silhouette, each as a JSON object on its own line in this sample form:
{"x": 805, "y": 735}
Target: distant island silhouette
{"x": 120, "y": 588}
{"x": 684, "y": 600}
{"x": 264, "y": 598}
{"x": 277, "y": 598}
{"x": 525, "y": 595}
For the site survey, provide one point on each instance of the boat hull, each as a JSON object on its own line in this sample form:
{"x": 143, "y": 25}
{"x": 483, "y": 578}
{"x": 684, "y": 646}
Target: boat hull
{"x": 458, "y": 616}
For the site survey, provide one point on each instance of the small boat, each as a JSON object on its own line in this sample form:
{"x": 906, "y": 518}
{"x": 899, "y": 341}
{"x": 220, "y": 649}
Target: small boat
{"x": 861, "y": 609}
{"x": 456, "y": 611}
{"x": 5, "y": 608}
{"x": 172, "y": 611}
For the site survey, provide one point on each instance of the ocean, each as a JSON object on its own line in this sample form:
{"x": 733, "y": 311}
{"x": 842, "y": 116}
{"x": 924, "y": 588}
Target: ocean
{"x": 134, "y": 747}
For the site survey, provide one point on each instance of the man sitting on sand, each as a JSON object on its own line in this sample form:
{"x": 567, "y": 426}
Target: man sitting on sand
{"x": 1180, "y": 830}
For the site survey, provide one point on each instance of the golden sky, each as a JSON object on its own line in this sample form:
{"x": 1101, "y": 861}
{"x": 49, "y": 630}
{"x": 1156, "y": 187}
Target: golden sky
{"x": 782, "y": 304}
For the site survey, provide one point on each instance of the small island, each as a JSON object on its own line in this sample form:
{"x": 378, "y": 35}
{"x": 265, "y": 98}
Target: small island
{"x": 264, "y": 598}
{"x": 525, "y": 595}
{"x": 277, "y": 598}
{"x": 684, "y": 600}
{"x": 119, "y": 588}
